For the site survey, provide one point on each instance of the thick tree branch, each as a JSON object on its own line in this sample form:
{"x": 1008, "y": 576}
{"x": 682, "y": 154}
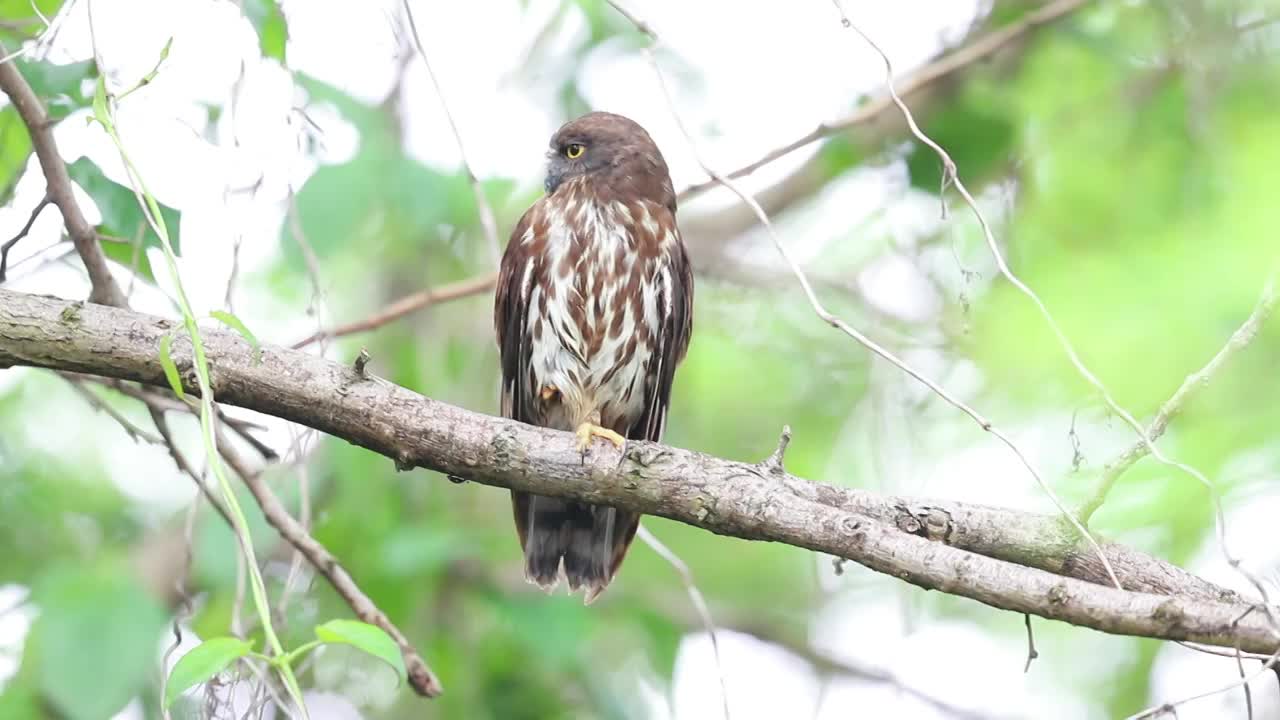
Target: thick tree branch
{"x": 749, "y": 501}
{"x": 105, "y": 290}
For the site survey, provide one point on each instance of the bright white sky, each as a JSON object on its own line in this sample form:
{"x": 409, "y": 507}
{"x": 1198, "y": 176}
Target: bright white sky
{"x": 748, "y": 76}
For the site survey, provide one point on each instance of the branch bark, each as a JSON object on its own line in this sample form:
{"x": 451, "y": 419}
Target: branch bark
{"x": 757, "y": 502}
{"x": 105, "y": 289}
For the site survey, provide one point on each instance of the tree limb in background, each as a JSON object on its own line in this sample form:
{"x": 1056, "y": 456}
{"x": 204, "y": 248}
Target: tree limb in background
{"x": 1189, "y": 388}
{"x": 871, "y": 126}
{"x": 406, "y": 305}
{"x": 883, "y": 106}
{"x": 105, "y": 290}
{"x": 729, "y": 498}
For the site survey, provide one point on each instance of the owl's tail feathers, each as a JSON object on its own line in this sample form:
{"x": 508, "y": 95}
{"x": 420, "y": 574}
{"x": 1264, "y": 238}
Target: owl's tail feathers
{"x": 588, "y": 541}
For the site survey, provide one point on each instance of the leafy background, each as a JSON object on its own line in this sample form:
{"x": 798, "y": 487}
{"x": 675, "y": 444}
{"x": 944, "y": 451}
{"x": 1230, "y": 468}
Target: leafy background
{"x": 1127, "y": 156}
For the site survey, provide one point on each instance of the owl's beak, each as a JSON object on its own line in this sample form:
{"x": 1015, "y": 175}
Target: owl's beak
{"x": 555, "y": 172}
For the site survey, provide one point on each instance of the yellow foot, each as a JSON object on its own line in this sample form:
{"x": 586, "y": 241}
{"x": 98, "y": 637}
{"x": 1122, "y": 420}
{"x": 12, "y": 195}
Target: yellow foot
{"x": 549, "y": 393}
{"x": 587, "y": 430}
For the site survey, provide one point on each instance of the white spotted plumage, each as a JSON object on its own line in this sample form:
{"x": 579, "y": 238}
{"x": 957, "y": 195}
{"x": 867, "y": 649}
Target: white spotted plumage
{"x": 587, "y": 377}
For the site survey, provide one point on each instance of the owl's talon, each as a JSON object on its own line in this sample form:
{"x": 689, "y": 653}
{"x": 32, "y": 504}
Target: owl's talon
{"x": 587, "y": 430}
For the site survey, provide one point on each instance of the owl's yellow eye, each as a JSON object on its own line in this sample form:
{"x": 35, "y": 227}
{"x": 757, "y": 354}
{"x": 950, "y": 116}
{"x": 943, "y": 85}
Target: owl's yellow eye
{"x": 573, "y": 151}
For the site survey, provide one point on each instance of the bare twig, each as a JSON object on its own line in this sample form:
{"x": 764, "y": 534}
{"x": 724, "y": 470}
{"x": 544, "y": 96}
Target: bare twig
{"x": 317, "y": 304}
{"x": 26, "y": 228}
{"x": 858, "y": 336}
{"x": 184, "y": 608}
{"x": 105, "y": 290}
{"x": 406, "y": 305}
{"x": 162, "y": 426}
{"x": 421, "y": 678}
{"x": 156, "y": 408}
{"x": 1248, "y": 693}
{"x": 234, "y": 276}
{"x": 1170, "y": 707}
{"x": 166, "y": 401}
{"x": 134, "y": 432}
{"x": 1193, "y": 383}
{"x": 482, "y": 203}
{"x": 1032, "y": 653}
{"x": 699, "y": 605}
{"x": 980, "y": 49}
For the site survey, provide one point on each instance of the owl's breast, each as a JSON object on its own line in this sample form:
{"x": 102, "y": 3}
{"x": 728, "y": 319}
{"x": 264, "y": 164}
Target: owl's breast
{"x": 594, "y": 321}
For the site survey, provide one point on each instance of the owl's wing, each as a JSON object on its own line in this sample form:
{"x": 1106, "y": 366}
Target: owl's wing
{"x": 673, "y": 282}
{"x": 510, "y": 320}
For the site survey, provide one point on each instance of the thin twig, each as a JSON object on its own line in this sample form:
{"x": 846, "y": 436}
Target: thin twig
{"x": 699, "y": 605}
{"x": 862, "y": 339}
{"x": 184, "y": 609}
{"x": 980, "y": 49}
{"x": 156, "y": 409}
{"x": 160, "y": 400}
{"x": 26, "y": 228}
{"x": 1032, "y": 653}
{"x": 162, "y": 426}
{"x": 233, "y": 277}
{"x": 1157, "y": 710}
{"x": 1192, "y": 385}
{"x": 317, "y": 303}
{"x": 1248, "y": 693}
{"x": 134, "y": 432}
{"x": 482, "y": 203}
{"x": 44, "y": 36}
{"x": 421, "y": 679}
{"x": 406, "y": 305}
{"x": 105, "y": 289}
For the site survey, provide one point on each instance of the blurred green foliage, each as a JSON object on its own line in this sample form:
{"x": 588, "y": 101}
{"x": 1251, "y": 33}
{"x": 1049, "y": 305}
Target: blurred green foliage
{"x": 1145, "y": 156}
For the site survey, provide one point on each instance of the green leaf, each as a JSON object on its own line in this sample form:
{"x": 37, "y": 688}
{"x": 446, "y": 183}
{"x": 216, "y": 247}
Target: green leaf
{"x": 19, "y": 10}
{"x": 203, "y": 662}
{"x": 372, "y": 202}
{"x": 100, "y": 102}
{"x": 123, "y": 253}
{"x": 238, "y": 325}
{"x": 95, "y": 639}
{"x": 15, "y": 149}
{"x": 976, "y": 132}
{"x": 366, "y": 637}
{"x": 269, "y": 22}
{"x": 122, "y": 217}
{"x": 59, "y": 86}
{"x": 49, "y": 79}
{"x": 170, "y": 368}
{"x": 18, "y": 702}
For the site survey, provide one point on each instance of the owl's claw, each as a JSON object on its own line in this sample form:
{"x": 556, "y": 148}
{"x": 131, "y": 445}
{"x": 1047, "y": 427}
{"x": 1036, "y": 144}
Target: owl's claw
{"x": 587, "y": 430}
